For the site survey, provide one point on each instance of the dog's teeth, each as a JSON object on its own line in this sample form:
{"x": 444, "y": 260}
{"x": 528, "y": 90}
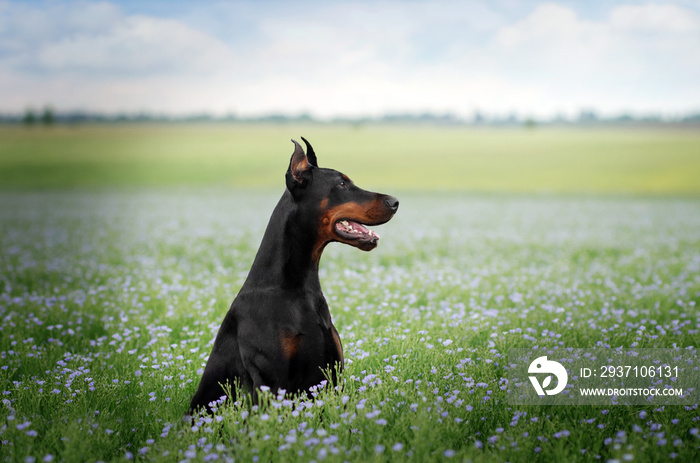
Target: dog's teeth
{"x": 353, "y": 228}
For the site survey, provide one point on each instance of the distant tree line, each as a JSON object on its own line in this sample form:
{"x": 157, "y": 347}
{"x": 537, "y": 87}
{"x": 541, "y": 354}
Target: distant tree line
{"x": 48, "y": 117}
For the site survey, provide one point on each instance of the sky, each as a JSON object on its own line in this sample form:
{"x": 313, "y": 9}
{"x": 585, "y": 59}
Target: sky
{"x": 351, "y": 58}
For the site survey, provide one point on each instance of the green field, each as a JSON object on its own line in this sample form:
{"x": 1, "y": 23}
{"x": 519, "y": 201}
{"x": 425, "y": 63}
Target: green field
{"x": 122, "y": 248}
{"x": 415, "y": 158}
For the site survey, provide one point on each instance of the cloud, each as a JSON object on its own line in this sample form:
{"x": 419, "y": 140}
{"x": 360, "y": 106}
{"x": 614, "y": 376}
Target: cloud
{"x": 638, "y": 58}
{"x": 92, "y": 56}
{"x": 552, "y": 60}
{"x": 135, "y": 45}
{"x": 631, "y": 39}
{"x": 350, "y": 58}
{"x": 88, "y": 39}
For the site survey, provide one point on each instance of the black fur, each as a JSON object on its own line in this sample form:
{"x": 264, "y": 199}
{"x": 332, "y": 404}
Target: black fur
{"x": 278, "y": 331}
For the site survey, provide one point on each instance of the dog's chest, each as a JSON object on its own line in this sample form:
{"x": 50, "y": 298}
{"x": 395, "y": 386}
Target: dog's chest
{"x": 316, "y": 340}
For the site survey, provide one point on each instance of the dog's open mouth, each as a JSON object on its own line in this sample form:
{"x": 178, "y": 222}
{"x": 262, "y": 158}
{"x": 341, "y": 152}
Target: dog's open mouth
{"x": 351, "y": 230}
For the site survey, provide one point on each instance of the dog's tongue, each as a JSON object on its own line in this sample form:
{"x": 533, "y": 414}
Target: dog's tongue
{"x": 356, "y": 230}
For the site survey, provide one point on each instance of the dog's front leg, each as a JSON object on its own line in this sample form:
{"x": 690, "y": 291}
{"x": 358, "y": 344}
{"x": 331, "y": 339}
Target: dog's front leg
{"x": 265, "y": 368}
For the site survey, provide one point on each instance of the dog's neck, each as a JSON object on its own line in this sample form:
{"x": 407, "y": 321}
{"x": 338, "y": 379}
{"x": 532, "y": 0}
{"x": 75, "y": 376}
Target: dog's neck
{"x": 284, "y": 258}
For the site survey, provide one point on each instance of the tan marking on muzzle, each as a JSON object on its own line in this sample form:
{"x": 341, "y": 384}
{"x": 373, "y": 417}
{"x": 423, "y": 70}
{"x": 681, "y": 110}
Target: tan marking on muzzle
{"x": 365, "y": 213}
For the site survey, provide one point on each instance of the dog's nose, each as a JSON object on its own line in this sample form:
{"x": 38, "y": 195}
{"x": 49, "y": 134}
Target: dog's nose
{"x": 392, "y": 203}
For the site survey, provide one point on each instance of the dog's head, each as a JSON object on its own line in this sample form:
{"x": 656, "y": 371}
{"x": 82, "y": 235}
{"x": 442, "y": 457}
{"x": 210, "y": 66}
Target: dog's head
{"x": 343, "y": 209}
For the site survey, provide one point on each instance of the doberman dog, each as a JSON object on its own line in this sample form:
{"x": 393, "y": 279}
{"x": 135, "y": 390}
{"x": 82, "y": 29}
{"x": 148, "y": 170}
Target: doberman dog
{"x": 278, "y": 332}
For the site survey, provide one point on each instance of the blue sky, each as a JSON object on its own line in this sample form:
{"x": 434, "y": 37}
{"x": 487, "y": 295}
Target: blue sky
{"x": 351, "y": 58}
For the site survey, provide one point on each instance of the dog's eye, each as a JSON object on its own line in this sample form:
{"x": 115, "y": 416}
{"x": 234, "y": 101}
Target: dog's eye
{"x": 342, "y": 185}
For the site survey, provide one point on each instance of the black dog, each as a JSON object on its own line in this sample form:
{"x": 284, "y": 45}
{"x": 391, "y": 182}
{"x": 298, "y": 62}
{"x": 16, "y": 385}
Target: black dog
{"x": 278, "y": 331}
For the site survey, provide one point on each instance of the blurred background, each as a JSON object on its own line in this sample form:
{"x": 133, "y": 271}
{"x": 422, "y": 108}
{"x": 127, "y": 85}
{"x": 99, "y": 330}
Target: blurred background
{"x": 499, "y": 95}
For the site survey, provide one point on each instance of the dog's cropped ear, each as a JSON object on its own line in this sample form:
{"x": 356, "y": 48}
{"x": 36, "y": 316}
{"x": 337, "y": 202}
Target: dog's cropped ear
{"x": 298, "y": 173}
{"x": 310, "y": 153}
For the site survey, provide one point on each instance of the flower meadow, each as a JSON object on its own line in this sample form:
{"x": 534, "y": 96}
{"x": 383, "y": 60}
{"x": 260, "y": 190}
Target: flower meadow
{"x": 110, "y": 301}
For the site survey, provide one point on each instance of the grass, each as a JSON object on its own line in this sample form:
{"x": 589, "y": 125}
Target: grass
{"x": 452, "y": 158}
{"x": 110, "y": 303}
{"x": 110, "y": 299}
